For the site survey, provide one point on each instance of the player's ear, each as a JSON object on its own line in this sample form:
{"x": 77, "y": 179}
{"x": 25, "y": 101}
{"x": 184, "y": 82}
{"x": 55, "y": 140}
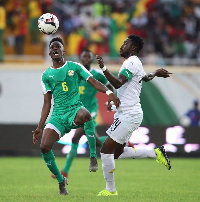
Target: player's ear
{"x": 133, "y": 49}
{"x": 64, "y": 53}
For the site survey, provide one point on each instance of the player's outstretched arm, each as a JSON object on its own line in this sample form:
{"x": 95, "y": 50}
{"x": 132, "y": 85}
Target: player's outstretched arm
{"x": 101, "y": 88}
{"x": 116, "y": 82}
{"x": 159, "y": 73}
{"x": 44, "y": 114}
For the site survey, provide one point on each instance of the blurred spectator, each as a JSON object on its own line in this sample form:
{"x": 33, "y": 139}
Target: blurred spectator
{"x": 76, "y": 41}
{"x": 190, "y": 25}
{"x": 194, "y": 114}
{"x": 20, "y": 30}
{"x": 119, "y": 28}
{"x": 98, "y": 40}
{"x": 67, "y": 25}
{"x": 34, "y": 11}
{"x": 101, "y": 8}
{"x": 169, "y": 49}
{"x": 2, "y": 28}
{"x": 47, "y": 6}
{"x": 172, "y": 27}
{"x": 88, "y": 21}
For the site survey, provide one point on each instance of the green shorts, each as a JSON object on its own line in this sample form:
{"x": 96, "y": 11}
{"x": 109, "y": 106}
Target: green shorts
{"x": 64, "y": 122}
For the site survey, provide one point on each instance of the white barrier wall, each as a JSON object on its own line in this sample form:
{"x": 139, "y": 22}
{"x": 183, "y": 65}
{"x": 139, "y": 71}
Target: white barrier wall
{"x": 21, "y": 96}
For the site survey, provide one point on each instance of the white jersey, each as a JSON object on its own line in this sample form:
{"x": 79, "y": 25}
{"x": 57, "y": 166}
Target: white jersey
{"x": 129, "y": 93}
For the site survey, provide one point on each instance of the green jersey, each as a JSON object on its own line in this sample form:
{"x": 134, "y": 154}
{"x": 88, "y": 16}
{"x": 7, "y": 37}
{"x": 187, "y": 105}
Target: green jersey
{"x": 88, "y": 92}
{"x": 64, "y": 84}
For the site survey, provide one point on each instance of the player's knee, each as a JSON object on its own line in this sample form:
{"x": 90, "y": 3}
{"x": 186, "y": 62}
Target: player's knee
{"x": 86, "y": 117}
{"x": 44, "y": 148}
{"x": 104, "y": 149}
{"x": 75, "y": 140}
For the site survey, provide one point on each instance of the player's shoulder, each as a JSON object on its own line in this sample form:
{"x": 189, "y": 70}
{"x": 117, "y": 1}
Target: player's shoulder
{"x": 74, "y": 64}
{"x": 46, "y": 72}
{"x": 96, "y": 71}
{"x": 133, "y": 62}
{"x": 134, "y": 59}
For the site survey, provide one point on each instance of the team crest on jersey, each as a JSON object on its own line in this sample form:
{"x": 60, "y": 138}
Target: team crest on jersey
{"x": 71, "y": 73}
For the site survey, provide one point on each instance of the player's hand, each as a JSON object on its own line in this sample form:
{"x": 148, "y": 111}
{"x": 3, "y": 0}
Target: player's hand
{"x": 100, "y": 61}
{"x": 113, "y": 98}
{"x": 162, "y": 73}
{"x": 109, "y": 106}
{"x": 36, "y": 134}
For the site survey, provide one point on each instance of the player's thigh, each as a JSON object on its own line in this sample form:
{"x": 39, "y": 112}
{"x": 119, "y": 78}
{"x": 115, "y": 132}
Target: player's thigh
{"x": 78, "y": 134}
{"x": 123, "y": 127}
{"x": 82, "y": 116}
{"x": 109, "y": 146}
{"x": 49, "y": 137}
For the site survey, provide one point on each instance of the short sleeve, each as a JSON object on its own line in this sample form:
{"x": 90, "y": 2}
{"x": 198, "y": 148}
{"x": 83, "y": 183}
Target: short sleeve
{"x": 102, "y": 79}
{"x": 45, "y": 84}
{"x": 83, "y": 72}
{"x": 128, "y": 64}
{"x": 134, "y": 65}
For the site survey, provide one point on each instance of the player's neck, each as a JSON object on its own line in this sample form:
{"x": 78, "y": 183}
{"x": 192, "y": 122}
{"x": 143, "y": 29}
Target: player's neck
{"x": 88, "y": 67}
{"x": 58, "y": 63}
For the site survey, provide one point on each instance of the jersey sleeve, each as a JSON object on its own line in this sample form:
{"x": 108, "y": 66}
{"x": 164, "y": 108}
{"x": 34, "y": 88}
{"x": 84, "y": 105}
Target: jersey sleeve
{"x": 133, "y": 66}
{"x": 127, "y": 74}
{"x": 83, "y": 72}
{"x": 45, "y": 83}
{"x": 102, "y": 78}
{"x": 129, "y": 65}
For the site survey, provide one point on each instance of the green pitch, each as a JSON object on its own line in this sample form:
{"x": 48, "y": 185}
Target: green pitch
{"x": 28, "y": 179}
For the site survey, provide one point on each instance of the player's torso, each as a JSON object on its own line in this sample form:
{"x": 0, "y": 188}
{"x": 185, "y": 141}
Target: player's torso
{"x": 64, "y": 83}
{"x": 88, "y": 92}
{"x": 129, "y": 93}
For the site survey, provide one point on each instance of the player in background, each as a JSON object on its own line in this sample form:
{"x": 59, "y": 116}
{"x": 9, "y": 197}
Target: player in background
{"x": 129, "y": 115}
{"x": 89, "y": 100}
{"x": 61, "y": 81}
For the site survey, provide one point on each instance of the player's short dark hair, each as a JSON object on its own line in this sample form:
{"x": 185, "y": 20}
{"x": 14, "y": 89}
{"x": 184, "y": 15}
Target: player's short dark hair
{"x": 56, "y": 39}
{"x": 86, "y": 50}
{"x": 137, "y": 41}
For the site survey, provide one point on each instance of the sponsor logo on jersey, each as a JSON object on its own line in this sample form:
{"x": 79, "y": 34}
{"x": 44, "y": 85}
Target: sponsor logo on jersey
{"x": 71, "y": 73}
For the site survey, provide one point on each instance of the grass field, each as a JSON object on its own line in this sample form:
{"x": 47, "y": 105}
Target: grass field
{"x": 28, "y": 179}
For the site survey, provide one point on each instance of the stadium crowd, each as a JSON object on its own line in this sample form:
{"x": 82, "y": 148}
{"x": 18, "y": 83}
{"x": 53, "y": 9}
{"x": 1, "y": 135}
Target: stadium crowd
{"x": 170, "y": 28}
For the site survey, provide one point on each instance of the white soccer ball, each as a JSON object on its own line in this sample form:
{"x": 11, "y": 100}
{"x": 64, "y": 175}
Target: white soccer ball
{"x": 48, "y": 23}
{"x": 185, "y": 121}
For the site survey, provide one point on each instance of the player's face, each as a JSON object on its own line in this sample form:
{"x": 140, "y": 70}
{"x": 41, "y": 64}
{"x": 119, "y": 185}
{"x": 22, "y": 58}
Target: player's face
{"x": 86, "y": 58}
{"x": 56, "y": 50}
{"x": 125, "y": 49}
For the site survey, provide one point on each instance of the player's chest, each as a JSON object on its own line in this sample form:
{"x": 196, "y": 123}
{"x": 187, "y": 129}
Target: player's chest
{"x": 65, "y": 82}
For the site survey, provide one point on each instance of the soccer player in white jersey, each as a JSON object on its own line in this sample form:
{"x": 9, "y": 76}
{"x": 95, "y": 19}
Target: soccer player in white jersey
{"x": 61, "y": 83}
{"x": 129, "y": 115}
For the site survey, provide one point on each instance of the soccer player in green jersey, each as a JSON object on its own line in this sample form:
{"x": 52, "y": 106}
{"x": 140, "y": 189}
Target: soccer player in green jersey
{"x": 61, "y": 81}
{"x": 89, "y": 100}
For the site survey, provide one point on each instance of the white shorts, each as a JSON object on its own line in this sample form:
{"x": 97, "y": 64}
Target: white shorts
{"x": 124, "y": 124}
{"x": 51, "y": 126}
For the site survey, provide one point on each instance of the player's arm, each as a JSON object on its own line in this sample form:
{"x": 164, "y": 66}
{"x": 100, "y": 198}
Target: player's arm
{"x": 102, "y": 88}
{"x": 117, "y": 82}
{"x": 44, "y": 114}
{"x": 159, "y": 73}
{"x": 110, "y": 87}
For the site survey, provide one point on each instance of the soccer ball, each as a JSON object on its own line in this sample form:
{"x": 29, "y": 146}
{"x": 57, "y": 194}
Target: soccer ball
{"x": 48, "y": 23}
{"x": 185, "y": 121}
